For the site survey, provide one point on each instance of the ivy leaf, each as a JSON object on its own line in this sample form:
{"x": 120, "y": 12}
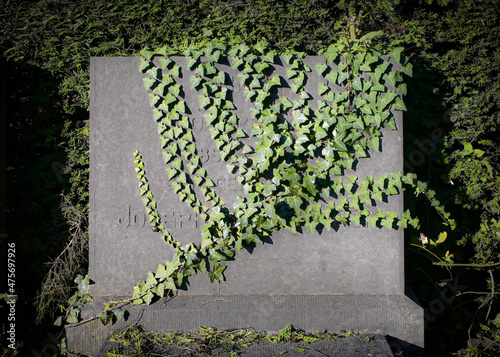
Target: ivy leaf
{"x": 374, "y": 143}
{"x": 376, "y": 74}
{"x": 290, "y": 73}
{"x": 311, "y": 226}
{"x": 249, "y": 94}
{"x": 191, "y": 62}
{"x": 167, "y": 157}
{"x": 171, "y": 172}
{"x": 342, "y": 76}
{"x": 328, "y": 152}
{"x": 269, "y": 57}
{"x": 154, "y": 99}
{"x": 197, "y": 180}
{"x": 331, "y": 54}
{"x": 145, "y": 64}
{"x": 262, "y": 96}
{"x": 402, "y": 88}
{"x": 214, "y": 57}
{"x": 396, "y": 54}
{"x": 220, "y": 77}
{"x": 298, "y": 118}
{"x": 399, "y": 104}
{"x": 339, "y": 144}
{"x": 295, "y": 202}
{"x": 381, "y": 182}
{"x": 274, "y": 81}
{"x": 285, "y": 103}
{"x": 372, "y": 95}
{"x": 332, "y": 77}
{"x": 165, "y": 62}
{"x": 377, "y": 196}
{"x": 175, "y": 71}
{"x": 180, "y": 107}
{"x": 391, "y": 189}
{"x": 148, "y": 298}
{"x": 357, "y": 84}
{"x": 137, "y": 301}
{"x": 247, "y": 149}
{"x": 175, "y": 89}
{"x": 158, "y": 115}
{"x": 321, "y": 68}
{"x": 195, "y": 82}
{"x": 441, "y": 238}
{"x": 177, "y": 164}
{"x": 149, "y": 83}
{"x": 299, "y": 81}
{"x": 204, "y": 101}
{"x": 151, "y": 280}
{"x": 217, "y": 273}
{"x": 255, "y": 83}
{"x": 372, "y": 221}
{"x": 322, "y": 88}
{"x": 244, "y": 50}
{"x": 358, "y": 123}
{"x": 295, "y": 88}
{"x": 242, "y": 77}
{"x": 261, "y": 67}
{"x": 408, "y": 70}
{"x": 390, "y": 79}
{"x": 240, "y": 133}
{"x": 106, "y": 317}
{"x": 237, "y": 62}
{"x": 390, "y": 124}
{"x": 376, "y": 120}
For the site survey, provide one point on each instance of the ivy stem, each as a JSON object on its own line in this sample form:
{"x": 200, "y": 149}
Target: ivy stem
{"x": 464, "y": 265}
{"x": 441, "y": 262}
{"x": 119, "y": 305}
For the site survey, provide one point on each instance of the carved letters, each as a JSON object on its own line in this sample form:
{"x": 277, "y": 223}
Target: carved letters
{"x": 136, "y": 218}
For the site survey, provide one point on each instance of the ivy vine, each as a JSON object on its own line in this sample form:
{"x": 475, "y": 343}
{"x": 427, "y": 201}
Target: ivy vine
{"x": 291, "y": 164}
{"x": 292, "y": 173}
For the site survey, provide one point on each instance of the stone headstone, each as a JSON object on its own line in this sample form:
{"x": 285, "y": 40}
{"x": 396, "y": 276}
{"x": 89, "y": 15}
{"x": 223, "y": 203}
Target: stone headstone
{"x": 349, "y": 278}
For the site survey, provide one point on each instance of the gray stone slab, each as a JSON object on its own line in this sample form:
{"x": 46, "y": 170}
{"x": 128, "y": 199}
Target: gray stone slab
{"x": 349, "y": 278}
{"x": 396, "y": 316}
{"x": 123, "y": 248}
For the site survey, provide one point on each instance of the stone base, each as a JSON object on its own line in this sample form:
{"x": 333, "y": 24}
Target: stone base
{"x": 396, "y": 316}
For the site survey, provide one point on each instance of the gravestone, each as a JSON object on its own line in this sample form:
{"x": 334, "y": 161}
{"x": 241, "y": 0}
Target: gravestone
{"x": 348, "y": 278}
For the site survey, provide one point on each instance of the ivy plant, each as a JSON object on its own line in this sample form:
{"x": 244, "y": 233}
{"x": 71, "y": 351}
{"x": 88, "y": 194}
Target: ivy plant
{"x": 291, "y": 164}
{"x": 292, "y": 172}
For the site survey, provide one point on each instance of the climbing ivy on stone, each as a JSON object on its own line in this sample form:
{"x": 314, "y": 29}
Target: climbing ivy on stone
{"x": 292, "y": 163}
{"x": 292, "y": 172}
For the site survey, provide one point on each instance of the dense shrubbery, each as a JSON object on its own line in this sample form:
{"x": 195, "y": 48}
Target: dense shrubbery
{"x": 451, "y": 127}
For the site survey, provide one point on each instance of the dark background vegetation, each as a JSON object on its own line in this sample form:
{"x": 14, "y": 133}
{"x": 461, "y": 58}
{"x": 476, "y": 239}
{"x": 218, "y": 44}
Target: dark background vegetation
{"x": 45, "y": 46}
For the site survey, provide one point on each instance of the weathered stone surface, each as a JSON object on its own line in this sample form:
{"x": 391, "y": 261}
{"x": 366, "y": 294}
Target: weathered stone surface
{"x": 123, "y": 248}
{"x": 396, "y": 316}
{"x": 349, "y": 278}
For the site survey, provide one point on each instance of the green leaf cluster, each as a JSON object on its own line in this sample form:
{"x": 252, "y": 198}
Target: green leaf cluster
{"x": 292, "y": 171}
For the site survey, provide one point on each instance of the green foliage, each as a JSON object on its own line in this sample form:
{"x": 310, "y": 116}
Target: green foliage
{"x": 487, "y": 241}
{"x": 77, "y": 164}
{"x": 80, "y": 298}
{"x": 60, "y": 37}
{"x": 134, "y": 341}
{"x": 342, "y": 130}
{"x": 453, "y": 45}
{"x": 487, "y": 344}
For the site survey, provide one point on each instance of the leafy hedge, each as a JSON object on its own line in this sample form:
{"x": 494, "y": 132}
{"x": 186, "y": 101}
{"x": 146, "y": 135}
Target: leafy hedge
{"x": 451, "y": 127}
